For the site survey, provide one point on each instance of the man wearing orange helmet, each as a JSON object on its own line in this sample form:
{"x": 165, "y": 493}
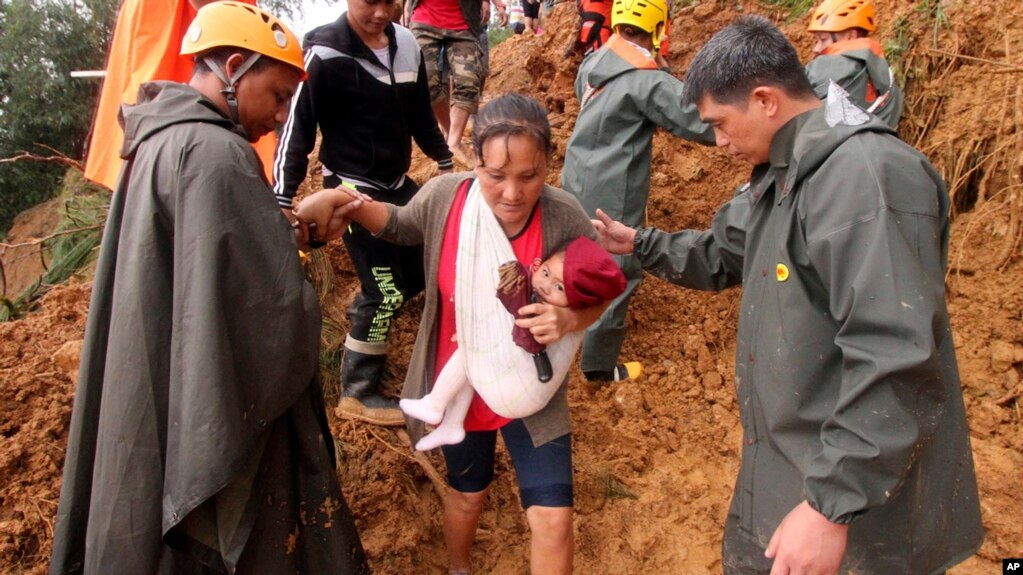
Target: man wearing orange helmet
{"x": 198, "y": 439}
{"x": 846, "y": 55}
{"x": 624, "y": 95}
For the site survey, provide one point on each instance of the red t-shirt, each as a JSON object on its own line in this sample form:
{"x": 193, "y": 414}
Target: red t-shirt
{"x": 444, "y": 14}
{"x": 528, "y": 248}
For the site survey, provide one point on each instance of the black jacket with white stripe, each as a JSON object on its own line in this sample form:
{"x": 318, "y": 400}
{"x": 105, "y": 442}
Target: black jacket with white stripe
{"x": 367, "y": 113}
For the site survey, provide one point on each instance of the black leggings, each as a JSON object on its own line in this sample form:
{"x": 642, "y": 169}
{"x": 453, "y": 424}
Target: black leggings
{"x": 390, "y": 274}
{"x": 531, "y": 10}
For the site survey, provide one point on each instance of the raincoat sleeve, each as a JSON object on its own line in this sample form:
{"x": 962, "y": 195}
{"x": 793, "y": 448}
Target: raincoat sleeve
{"x": 877, "y": 243}
{"x": 709, "y": 260}
{"x": 661, "y": 103}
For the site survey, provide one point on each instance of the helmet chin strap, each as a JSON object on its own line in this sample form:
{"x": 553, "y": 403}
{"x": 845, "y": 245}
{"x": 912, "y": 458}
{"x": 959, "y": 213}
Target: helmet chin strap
{"x": 229, "y": 91}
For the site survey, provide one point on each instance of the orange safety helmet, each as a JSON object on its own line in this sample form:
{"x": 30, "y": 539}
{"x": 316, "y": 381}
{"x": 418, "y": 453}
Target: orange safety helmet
{"x": 841, "y": 15}
{"x": 244, "y": 26}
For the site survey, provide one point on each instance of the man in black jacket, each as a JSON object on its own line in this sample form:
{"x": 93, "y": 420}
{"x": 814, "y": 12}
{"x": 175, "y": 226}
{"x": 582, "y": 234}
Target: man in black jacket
{"x": 367, "y": 92}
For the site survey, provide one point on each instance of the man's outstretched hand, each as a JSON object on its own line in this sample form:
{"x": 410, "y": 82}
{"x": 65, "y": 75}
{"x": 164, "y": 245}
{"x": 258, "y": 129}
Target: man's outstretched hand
{"x": 613, "y": 235}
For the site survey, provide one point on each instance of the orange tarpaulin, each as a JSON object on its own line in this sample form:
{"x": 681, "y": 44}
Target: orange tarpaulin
{"x": 147, "y": 39}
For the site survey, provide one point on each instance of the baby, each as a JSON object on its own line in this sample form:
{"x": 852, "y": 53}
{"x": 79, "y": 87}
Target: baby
{"x": 579, "y": 276}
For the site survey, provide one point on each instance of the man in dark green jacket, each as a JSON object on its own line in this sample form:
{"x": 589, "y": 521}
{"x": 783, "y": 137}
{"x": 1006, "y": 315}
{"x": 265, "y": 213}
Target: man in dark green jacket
{"x": 623, "y": 97}
{"x": 856, "y": 455}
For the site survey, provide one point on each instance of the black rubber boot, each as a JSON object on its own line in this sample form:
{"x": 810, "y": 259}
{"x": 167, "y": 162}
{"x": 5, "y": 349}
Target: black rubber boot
{"x": 621, "y": 372}
{"x": 360, "y": 390}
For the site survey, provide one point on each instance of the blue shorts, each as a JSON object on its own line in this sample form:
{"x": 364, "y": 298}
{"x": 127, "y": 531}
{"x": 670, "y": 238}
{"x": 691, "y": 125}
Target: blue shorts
{"x": 544, "y": 473}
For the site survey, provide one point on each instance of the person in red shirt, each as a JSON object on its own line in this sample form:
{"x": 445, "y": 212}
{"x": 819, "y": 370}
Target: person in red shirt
{"x": 448, "y": 32}
{"x": 581, "y": 275}
{"x": 512, "y": 144}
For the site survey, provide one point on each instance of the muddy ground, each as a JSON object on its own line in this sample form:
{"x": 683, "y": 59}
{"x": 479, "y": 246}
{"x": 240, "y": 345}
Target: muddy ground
{"x": 655, "y": 458}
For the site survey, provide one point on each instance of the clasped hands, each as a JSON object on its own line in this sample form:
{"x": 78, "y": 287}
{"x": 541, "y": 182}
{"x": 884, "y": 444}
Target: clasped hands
{"x": 324, "y": 216}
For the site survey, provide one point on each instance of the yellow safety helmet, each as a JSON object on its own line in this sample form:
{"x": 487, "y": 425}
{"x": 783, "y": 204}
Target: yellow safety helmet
{"x": 245, "y": 26}
{"x": 842, "y": 15}
{"x": 647, "y": 15}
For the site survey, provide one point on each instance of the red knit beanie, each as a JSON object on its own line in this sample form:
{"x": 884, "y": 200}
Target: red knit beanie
{"x": 591, "y": 276}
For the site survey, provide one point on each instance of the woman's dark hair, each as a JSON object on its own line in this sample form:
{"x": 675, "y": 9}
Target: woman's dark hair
{"x": 510, "y": 115}
{"x": 750, "y": 52}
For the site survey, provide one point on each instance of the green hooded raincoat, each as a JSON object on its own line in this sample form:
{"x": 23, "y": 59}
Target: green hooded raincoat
{"x": 623, "y": 98}
{"x": 859, "y": 67}
{"x": 846, "y": 374}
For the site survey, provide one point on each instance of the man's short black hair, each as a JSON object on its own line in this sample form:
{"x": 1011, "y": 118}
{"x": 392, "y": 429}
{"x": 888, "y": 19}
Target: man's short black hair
{"x": 748, "y": 53}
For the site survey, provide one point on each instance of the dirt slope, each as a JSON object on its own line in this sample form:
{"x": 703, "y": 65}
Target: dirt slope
{"x": 655, "y": 458}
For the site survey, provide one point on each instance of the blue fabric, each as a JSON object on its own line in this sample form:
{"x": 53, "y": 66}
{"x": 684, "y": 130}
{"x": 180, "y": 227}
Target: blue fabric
{"x": 544, "y": 473}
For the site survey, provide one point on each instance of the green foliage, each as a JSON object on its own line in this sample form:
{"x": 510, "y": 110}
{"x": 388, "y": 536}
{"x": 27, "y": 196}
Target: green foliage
{"x": 286, "y": 8}
{"x": 896, "y": 46}
{"x": 935, "y": 9}
{"x": 42, "y": 108}
{"x": 498, "y": 34}
{"x": 676, "y": 7}
{"x": 899, "y": 38}
{"x": 793, "y": 9}
{"x": 40, "y": 104}
{"x": 72, "y": 246}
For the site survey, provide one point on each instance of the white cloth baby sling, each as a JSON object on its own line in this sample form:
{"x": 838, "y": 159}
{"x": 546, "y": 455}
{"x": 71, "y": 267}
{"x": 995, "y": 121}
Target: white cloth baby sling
{"x": 502, "y": 373}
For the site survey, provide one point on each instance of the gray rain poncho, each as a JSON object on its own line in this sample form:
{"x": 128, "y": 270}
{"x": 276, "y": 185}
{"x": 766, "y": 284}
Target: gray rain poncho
{"x": 198, "y": 440}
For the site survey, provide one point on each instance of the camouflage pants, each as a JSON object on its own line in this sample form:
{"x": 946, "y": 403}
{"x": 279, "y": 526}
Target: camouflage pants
{"x": 461, "y": 53}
